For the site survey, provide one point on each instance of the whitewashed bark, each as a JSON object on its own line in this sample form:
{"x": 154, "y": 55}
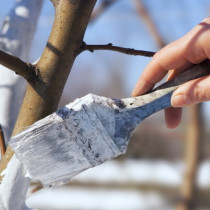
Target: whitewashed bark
{"x": 90, "y": 131}
{"x": 15, "y": 38}
{"x": 13, "y": 195}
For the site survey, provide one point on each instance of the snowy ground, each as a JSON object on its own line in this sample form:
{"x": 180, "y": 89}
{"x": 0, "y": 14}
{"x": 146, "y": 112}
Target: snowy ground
{"x": 129, "y": 173}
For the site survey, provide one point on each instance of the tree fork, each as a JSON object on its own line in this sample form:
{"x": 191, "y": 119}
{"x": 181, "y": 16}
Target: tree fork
{"x": 71, "y": 19}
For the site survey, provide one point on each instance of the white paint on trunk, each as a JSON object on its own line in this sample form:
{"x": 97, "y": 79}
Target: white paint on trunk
{"x": 14, "y": 194}
{"x": 15, "y": 38}
{"x": 22, "y": 12}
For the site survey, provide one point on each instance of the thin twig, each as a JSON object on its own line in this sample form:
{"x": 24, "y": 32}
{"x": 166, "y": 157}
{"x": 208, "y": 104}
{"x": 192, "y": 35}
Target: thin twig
{"x": 129, "y": 51}
{"x": 2, "y": 142}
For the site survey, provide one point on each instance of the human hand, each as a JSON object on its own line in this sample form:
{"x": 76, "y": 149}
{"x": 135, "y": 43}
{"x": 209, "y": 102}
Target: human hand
{"x": 192, "y": 48}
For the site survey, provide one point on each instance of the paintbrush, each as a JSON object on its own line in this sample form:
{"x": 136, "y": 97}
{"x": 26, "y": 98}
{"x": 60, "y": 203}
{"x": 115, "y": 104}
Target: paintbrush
{"x": 90, "y": 130}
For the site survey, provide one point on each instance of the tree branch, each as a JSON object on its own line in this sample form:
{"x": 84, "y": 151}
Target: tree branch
{"x": 28, "y": 71}
{"x": 14, "y": 63}
{"x": 111, "y": 47}
{"x": 142, "y": 11}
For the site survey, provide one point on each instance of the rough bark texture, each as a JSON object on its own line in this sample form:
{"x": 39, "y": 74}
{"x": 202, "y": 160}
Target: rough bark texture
{"x": 69, "y": 26}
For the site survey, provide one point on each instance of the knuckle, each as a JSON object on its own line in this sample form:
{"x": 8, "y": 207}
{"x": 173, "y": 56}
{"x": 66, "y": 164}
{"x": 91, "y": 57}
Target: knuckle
{"x": 206, "y": 20}
{"x": 156, "y": 55}
{"x": 199, "y": 95}
{"x": 160, "y": 53}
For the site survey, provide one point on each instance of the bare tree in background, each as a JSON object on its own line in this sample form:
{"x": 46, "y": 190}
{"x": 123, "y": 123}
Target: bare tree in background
{"x": 144, "y": 14}
{"x": 193, "y": 142}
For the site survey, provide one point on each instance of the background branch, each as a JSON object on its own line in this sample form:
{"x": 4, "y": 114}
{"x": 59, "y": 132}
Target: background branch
{"x": 111, "y": 47}
{"x": 142, "y": 11}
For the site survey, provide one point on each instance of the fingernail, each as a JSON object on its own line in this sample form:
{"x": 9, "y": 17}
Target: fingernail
{"x": 180, "y": 100}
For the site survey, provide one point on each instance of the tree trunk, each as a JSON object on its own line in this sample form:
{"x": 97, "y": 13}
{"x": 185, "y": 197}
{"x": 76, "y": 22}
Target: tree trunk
{"x": 66, "y": 38}
{"x": 192, "y": 155}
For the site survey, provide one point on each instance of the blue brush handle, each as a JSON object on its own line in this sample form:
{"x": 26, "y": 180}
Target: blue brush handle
{"x": 160, "y": 97}
{"x": 134, "y": 110}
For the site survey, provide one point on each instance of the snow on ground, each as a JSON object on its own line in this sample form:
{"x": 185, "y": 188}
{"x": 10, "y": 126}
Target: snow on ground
{"x": 63, "y": 198}
{"x": 143, "y": 171}
{"x": 132, "y": 172}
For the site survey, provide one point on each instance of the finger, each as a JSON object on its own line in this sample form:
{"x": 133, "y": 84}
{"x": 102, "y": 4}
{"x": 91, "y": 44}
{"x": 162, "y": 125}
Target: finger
{"x": 158, "y": 68}
{"x": 190, "y": 49}
{"x": 192, "y": 92}
{"x": 173, "y": 117}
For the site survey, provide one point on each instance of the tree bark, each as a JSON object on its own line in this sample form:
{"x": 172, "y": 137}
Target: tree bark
{"x": 128, "y": 51}
{"x": 66, "y": 37}
{"x": 71, "y": 19}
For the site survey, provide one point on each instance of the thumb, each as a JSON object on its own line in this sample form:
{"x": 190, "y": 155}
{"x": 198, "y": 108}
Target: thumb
{"x": 192, "y": 92}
